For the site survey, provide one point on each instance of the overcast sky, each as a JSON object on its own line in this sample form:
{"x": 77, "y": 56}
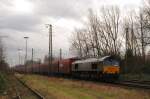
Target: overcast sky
{"x": 19, "y": 18}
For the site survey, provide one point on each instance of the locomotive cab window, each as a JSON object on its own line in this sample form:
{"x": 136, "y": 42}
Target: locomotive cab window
{"x": 94, "y": 66}
{"x": 107, "y": 63}
{"x": 76, "y": 66}
{"x": 115, "y": 63}
{"x": 111, "y": 62}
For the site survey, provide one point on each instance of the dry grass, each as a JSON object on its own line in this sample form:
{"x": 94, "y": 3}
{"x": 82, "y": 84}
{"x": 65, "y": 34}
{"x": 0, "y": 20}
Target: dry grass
{"x": 59, "y": 88}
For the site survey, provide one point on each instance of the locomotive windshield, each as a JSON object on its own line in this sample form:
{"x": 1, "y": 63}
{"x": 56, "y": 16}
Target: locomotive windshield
{"x": 111, "y": 62}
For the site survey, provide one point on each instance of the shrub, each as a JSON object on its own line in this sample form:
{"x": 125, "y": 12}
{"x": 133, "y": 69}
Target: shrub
{"x": 2, "y": 82}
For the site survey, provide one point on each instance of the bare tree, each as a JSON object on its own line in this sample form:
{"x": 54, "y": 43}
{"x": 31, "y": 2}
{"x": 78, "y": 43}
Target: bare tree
{"x": 145, "y": 23}
{"x": 1, "y": 52}
{"x": 104, "y": 35}
{"x": 133, "y": 42}
{"x": 93, "y": 30}
{"x": 101, "y": 37}
{"x": 3, "y": 64}
{"x": 77, "y": 42}
{"x": 110, "y": 29}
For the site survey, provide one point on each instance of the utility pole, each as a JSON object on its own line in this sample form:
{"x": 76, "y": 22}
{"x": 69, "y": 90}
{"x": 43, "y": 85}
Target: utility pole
{"x": 32, "y": 60}
{"x": 60, "y": 54}
{"x": 39, "y": 62}
{"x": 49, "y": 26}
{"x": 26, "y": 38}
{"x": 142, "y": 37}
{"x": 126, "y": 57}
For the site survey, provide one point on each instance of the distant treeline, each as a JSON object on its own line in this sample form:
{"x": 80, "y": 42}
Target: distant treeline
{"x": 3, "y": 63}
{"x": 112, "y": 32}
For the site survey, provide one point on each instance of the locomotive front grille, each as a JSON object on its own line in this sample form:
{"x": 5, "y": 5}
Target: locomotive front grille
{"x": 111, "y": 70}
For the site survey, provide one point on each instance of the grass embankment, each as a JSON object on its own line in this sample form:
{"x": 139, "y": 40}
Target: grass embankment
{"x": 59, "y": 88}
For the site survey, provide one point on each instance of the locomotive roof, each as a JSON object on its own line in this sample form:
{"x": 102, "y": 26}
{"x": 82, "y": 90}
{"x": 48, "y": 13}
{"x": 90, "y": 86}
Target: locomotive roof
{"x": 91, "y": 60}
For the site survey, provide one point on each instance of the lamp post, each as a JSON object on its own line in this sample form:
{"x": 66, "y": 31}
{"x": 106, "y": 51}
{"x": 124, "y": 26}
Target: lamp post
{"x": 26, "y": 38}
{"x": 19, "y": 56}
{"x": 49, "y": 26}
{"x": 32, "y": 60}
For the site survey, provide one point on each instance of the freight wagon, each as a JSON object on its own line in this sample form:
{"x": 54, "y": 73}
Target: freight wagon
{"x": 65, "y": 66}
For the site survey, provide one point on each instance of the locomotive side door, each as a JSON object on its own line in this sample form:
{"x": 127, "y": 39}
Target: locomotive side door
{"x": 100, "y": 66}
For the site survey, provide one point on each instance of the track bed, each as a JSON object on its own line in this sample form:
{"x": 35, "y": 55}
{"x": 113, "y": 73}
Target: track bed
{"x": 17, "y": 90}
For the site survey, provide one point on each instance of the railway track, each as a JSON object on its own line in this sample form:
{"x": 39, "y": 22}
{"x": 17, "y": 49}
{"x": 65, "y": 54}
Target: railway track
{"x": 22, "y": 91}
{"x": 16, "y": 94}
{"x": 135, "y": 84}
{"x": 139, "y": 81}
{"x": 128, "y": 83}
{"x": 33, "y": 91}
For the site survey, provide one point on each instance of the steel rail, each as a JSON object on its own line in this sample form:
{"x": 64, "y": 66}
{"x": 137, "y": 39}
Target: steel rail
{"x": 136, "y": 84}
{"x": 33, "y": 91}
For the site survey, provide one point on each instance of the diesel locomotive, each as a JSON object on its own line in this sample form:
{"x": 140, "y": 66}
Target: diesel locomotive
{"x": 105, "y": 67}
